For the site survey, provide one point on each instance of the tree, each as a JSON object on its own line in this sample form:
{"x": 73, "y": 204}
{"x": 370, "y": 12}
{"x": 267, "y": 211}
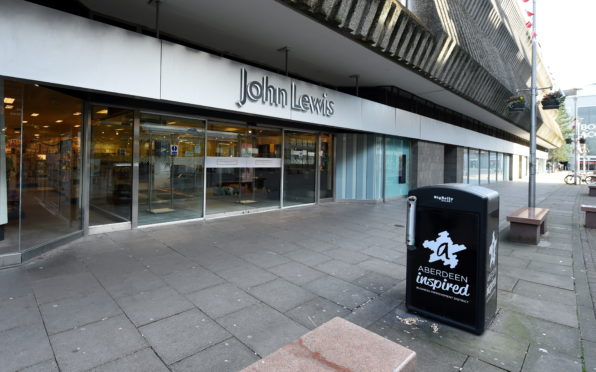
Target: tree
{"x": 561, "y": 154}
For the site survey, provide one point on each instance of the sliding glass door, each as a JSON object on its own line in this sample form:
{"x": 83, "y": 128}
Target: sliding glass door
{"x": 171, "y": 163}
{"x": 300, "y": 169}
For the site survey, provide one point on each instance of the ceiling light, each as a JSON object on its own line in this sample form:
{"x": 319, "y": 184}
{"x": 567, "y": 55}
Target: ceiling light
{"x": 171, "y": 122}
{"x": 34, "y": 114}
{"x": 46, "y": 126}
{"x": 25, "y": 121}
{"x": 102, "y": 112}
{"x": 36, "y": 85}
{"x": 36, "y": 134}
{"x": 58, "y": 121}
{"x": 76, "y": 113}
{"x": 76, "y": 126}
{"x": 8, "y": 107}
{"x": 9, "y": 100}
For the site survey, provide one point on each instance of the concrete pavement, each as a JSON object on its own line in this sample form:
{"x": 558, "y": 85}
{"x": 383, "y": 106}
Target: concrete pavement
{"x": 218, "y": 295}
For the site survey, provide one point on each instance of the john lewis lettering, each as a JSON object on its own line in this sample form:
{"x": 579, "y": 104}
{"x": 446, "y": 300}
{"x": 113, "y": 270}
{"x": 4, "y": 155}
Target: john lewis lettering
{"x": 261, "y": 90}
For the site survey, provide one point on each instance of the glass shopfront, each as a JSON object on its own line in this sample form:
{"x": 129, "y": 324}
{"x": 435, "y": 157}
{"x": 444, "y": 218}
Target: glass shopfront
{"x": 40, "y": 163}
{"x": 70, "y": 167}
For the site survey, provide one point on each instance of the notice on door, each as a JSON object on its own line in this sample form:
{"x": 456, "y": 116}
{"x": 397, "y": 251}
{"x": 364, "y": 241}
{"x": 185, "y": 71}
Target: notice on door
{"x": 174, "y": 150}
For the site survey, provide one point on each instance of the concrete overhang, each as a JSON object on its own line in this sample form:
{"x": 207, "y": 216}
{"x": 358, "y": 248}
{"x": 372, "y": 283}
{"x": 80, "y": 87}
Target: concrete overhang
{"x": 255, "y": 31}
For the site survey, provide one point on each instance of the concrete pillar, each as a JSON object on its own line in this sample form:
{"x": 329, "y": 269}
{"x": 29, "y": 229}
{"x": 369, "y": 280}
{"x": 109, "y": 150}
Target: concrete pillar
{"x": 428, "y": 164}
{"x": 454, "y": 164}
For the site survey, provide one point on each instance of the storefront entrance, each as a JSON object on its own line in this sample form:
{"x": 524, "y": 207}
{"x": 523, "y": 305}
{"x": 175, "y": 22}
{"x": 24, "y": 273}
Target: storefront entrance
{"x": 171, "y": 164}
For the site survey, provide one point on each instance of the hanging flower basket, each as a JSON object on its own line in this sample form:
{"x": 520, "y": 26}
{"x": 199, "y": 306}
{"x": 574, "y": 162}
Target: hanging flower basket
{"x": 552, "y": 100}
{"x": 516, "y": 103}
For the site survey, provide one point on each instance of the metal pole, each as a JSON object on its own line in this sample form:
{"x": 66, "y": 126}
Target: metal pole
{"x": 532, "y": 180}
{"x": 576, "y": 141}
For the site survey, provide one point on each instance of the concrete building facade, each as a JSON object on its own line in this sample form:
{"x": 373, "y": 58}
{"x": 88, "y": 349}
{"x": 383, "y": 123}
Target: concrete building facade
{"x": 120, "y": 115}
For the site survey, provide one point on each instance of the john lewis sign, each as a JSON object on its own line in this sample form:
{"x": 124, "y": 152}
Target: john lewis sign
{"x": 266, "y": 93}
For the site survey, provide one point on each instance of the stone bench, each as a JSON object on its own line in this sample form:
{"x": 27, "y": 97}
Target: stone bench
{"x": 590, "y": 215}
{"x": 592, "y": 190}
{"x": 338, "y": 345}
{"x": 527, "y": 225}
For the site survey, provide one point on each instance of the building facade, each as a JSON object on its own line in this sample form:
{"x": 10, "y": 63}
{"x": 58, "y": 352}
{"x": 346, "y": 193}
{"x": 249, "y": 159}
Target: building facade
{"x": 120, "y": 115}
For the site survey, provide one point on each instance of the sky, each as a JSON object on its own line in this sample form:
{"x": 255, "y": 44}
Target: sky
{"x": 566, "y": 32}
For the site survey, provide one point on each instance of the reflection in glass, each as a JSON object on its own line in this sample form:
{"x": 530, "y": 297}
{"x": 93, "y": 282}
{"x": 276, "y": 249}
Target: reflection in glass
{"x": 506, "y": 171}
{"x": 326, "y": 166}
{"x": 499, "y": 166}
{"x": 110, "y": 188}
{"x": 465, "y": 167}
{"x": 483, "y": 167}
{"x": 10, "y": 159}
{"x": 51, "y": 156}
{"x": 299, "y": 168}
{"x": 243, "y": 168}
{"x": 474, "y": 167}
{"x": 493, "y": 166}
{"x": 171, "y": 165}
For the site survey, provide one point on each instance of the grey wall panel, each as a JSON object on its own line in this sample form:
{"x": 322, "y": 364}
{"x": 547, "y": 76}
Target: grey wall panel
{"x": 50, "y": 46}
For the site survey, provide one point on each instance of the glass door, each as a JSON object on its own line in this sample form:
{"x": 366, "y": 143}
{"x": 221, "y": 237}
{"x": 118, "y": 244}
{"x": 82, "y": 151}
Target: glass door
{"x": 171, "y": 163}
{"x": 299, "y": 168}
{"x": 243, "y": 168}
{"x": 110, "y": 185}
{"x": 326, "y": 166}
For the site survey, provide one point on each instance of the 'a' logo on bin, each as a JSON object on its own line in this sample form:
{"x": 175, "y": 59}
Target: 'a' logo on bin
{"x": 444, "y": 250}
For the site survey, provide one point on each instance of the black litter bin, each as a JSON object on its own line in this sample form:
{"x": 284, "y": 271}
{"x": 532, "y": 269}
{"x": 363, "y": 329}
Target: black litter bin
{"x": 452, "y": 238}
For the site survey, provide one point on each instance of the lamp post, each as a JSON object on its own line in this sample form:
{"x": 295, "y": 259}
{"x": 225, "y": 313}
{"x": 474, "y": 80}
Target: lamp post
{"x": 532, "y": 179}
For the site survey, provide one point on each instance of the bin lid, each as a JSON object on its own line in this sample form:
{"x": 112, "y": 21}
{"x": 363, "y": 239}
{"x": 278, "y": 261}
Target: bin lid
{"x": 480, "y": 191}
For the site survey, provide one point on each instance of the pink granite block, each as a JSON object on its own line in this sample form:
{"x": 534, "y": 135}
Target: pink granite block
{"x": 338, "y": 345}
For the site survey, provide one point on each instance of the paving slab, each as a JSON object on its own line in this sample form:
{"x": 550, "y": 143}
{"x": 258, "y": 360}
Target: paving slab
{"x": 227, "y": 356}
{"x": 74, "y": 312}
{"x": 141, "y": 361}
{"x": 183, "y": 335}
{"x": 262, "y": 328}
{"x": 341, "y": 270}
{"x": 539, "y": 359}
{"x": 308, "y": 258}
{"x": 132, "y": 283}
{"x": 429, "y": 356}
{"x": 339, "y": 291}
{"x": 149, "y": 306}
{"x": 221, "y": 300}
{"x": 45, "y": 366}
{"x": 96, "y": 344}
{"x": 316, "y": 312}
{"x": 296, "y": 273}
{"x": 541, "y": 333}
{"x": 543, "y": 309}
{"x": 281, "y": 294}
{"x": 247, "y": 275}
{"x": 475, "y": 365}
{"x": 544, "y": 292}
{"x": 24, "y": 346}
{"x": 192, "y": 280}
{"x": 384, "y": 267}
{"x": 375, "y": 282}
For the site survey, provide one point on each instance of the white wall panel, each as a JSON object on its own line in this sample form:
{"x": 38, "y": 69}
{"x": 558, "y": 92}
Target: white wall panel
{"x": 377, "y": 118}
{"x": 50, "y": 46}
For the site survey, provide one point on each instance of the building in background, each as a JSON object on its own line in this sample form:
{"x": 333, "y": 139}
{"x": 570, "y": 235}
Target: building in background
{"x": 124, "y": 114}
{"x": 582, "y": 106}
